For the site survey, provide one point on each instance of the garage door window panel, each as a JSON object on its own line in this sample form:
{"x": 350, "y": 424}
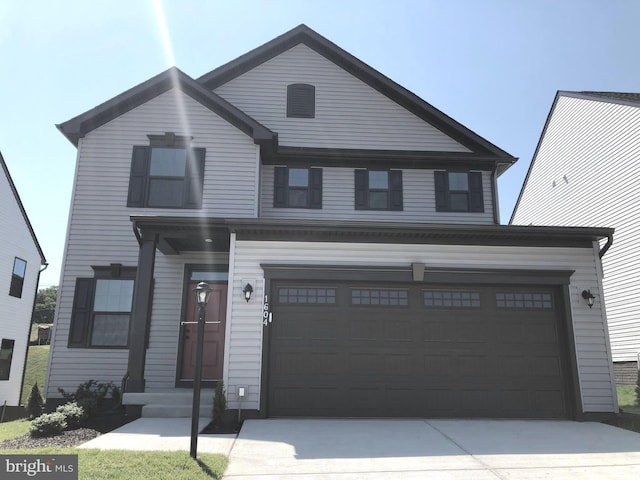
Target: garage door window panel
{"x": 306, "y": 296}
{"x": 376, "y": 297}
{"x": 451, "y": 299}
{"x": 524, "y": 300}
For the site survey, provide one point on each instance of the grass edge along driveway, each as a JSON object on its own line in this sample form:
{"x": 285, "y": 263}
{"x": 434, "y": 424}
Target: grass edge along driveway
{"x": 136, "y": 465}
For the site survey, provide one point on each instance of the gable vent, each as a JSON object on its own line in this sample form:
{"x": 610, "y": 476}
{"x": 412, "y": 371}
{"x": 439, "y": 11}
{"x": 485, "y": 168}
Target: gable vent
{"x": 301, "y": 100}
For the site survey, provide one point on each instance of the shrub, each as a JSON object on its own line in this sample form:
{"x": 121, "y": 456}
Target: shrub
{"x": 35, "y": 404}
{"x": 48, "y": 425}
{"x": 219, "y": 404}
{"x": 638, "y": 388}
{"x": 73, "y": 413}
{"x": 90, "y": 395}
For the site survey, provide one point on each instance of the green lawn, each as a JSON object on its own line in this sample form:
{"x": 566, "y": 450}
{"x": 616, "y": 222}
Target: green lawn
{"x": 128, "y": 465}
{"x": 15, "y": 429}
{"x": 36, "y": 370}
{"x": 627, "y": 398}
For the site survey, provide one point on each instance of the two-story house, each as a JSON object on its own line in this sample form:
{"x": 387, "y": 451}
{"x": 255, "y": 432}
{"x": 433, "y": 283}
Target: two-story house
{"x": 21, "y": 259}
{"x": 584, "y": 172}
{"x": 351, "y": 236}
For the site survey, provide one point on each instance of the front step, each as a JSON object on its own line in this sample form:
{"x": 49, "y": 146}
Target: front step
{"x": 170, "y": 403}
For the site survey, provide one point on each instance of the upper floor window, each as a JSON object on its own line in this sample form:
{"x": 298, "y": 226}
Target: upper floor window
{"x": 102, "y": 308}
{"x": 297, "y": 187}
{"x": 168, "y": 173}
{"x": 378, "y": 189}
{"x": 6, "y": 354}
{"x": 459, "y": 192}
{"x": 301, "y": 100}
{"x": 17, "y": 277}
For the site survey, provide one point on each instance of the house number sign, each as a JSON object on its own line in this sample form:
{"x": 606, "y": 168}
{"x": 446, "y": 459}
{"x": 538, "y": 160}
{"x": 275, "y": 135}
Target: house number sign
{"x": 266, "y": 314}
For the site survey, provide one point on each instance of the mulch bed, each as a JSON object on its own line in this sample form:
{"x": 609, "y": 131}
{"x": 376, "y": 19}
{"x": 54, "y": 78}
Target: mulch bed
{"x": 628, "y": 421}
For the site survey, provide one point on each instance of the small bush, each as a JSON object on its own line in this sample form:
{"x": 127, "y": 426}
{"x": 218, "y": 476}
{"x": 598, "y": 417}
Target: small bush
{"x": 90, "y": 395}
{"x": 219, "y": 404}
{"x": 35, "y": 404}
{"x": 73, "y": 413}
{"x": 638, "y": 388}
{"x": 48, "y": 425}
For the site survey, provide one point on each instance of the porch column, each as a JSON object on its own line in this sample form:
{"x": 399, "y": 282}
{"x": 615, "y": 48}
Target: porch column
{"x": 141, "y": 312}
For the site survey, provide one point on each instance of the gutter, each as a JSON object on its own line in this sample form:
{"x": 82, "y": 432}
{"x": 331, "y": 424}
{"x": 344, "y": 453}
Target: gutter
{"x": 606, "y": 246}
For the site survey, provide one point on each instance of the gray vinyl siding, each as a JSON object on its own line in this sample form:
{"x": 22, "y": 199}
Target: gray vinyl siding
{"x": 100, "y": 231}
{"x": 596, "y": 145}
{"x": 419, "y": 202}
{"x": 592, "y": 355}
{"x": 348, "y": 114}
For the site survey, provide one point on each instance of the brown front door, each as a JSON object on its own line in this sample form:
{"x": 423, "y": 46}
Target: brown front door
{"x": 213, "y": 334}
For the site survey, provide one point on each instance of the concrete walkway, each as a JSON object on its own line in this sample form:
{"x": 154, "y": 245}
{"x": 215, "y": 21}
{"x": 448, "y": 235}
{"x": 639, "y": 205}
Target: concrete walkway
{"x": 408, "y": 449}
{"x": 168, "y": 434}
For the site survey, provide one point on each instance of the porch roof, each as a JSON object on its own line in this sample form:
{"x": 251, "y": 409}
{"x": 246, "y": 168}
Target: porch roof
{"x": 182, "y": 234}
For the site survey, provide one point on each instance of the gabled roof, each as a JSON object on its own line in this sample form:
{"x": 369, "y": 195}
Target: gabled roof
{"x": 632, "y": 99}
{"x": 362, "y": 71}
{"x": 43, "y": 261}
{"x": 79, "y": 126}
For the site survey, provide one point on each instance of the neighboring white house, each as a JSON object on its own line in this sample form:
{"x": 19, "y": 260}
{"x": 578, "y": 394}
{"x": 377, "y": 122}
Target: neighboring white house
{"x": 586, "y": 172}
{"x": 21, "y": 259}
{"x": 362, "y": 224}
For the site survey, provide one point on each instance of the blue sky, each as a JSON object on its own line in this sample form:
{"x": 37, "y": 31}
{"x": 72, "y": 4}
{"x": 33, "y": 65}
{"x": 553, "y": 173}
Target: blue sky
{"x": 493, "y": 65}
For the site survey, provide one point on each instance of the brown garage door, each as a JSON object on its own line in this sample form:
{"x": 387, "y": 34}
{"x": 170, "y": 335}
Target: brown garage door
{"x": 370, "y": 350}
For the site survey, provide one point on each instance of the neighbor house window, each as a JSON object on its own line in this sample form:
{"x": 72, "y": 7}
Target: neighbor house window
{"x": 102, "y": 309}
{"x": 459, "y": 192}
{"x": 297, "y": 187}
{"x": 17, "y": 277}
{"x": 6, "y": 354}
{"x": 378, "y": 189}
{"x": 168, "y": 173}
{"x": 301, "y": 100}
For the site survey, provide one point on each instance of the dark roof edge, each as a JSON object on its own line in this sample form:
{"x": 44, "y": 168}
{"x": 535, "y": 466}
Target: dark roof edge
{"x": 82, "y": 124}
{"x": 535, "y": 154}
{"x": 603, "y": 97}
{"x": 396, "y": 228}
{"x": 43, "y": 260}
{"x": 372, "y": 77}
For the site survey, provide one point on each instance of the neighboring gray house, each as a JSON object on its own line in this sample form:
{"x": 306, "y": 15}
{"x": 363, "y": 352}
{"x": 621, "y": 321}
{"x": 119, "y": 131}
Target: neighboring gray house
{"x": 365, "y": 222}
{"x": 586, "y": 172}
{"x": 20, "y": 261}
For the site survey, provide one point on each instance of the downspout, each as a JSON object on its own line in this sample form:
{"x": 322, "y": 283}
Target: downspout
{"x": 606, "y": 246}
{"x": 494, "y": 185}
{"x": 33, "y": 311}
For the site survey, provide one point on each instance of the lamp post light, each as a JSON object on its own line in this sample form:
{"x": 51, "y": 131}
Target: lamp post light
{"x": 203, "y": 290}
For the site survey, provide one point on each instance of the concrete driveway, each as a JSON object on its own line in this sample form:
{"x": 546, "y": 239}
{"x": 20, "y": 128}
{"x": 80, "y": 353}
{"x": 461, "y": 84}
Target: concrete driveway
{"x": 433, "y": 449}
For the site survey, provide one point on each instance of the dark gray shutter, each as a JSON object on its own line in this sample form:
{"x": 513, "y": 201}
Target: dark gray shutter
{"x": 195, "y": 178}
{"x": 315, "y": 188}
{"x": 361, "y": 189}
{"x": 280, "y": 187}
{"x": 138, "y": 177}
{"x": 301, "y": 100}
{"x": 395, "y": 189}
{"x": 441, "y": 183}
{"x": 81, "y": 313}
{"x": 476, "y": 201}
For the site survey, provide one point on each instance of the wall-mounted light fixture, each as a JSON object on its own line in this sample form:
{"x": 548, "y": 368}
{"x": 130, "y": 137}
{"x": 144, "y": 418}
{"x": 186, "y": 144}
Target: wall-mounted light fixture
{"x": 588, "y": 296}
{"x": 247, "y": 290}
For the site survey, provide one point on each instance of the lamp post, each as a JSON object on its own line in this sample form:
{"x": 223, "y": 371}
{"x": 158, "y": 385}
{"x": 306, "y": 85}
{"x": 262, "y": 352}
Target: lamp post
{"x": 203, "y": 290}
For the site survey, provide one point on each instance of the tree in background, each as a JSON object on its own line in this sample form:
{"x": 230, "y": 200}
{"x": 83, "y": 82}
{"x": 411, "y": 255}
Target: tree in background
{"x": 45, "y": 305}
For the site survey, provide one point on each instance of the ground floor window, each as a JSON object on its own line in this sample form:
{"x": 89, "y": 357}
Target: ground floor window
{"x": 102, "y": 308}
{"x": 6, "y": 354}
